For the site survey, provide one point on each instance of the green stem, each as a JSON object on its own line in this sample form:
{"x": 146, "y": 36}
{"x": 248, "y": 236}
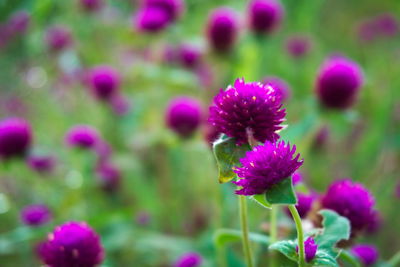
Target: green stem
{"x": 395, "y": 260}
{"x": 300, "y": 235}
{"x": 273, "y": 233}
{"x": 245, "y": 230}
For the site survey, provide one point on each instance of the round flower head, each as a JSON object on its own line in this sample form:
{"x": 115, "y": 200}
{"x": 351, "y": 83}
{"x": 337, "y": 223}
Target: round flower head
{"x": 109, "y": 177}
{"x": 190, "y": 259}
{"x": 104, "y": 82}
{"x": 151, "y": 19}
{"x": 338, "y": 83}
{"x": 368, "y": 254}
{"x": 35, "y": 215}
{"x": 15, "y": 137}
{"x": 183, "y": 115}
{"x": 387, "y": 25}
{"x": 248, "y": 108}
{"x": 280, "y": 86}
{"x": 72, "y": 244}
{"x": 298, "y": 46}
{"x": 310, "y": 249}
{"x": 41, "y": 164}
{"x": 173, "y": 8}
{"x": 82, "y": 136}
{"x": 352, "y": 201}
{"x": 58, "y": 38}
{"x": 189, "y": 56}
{"x": 91, "y": 5}
{"x": 265, "y": 15}
{"x": 19, "y": 22}
{"x": 265, "y": 166}
{"x": 222, "y": 29}
{"x": 304, "y": 203}
{"x": 143, "y": 218}
{"x": 397, "y": 190}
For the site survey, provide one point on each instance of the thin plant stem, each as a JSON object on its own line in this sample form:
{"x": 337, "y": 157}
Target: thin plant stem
{"x": 395, "y": 260}
{"x": 273, "y": 233}
{"x": 245, "y": 230}
{"x": 300, "y": 235}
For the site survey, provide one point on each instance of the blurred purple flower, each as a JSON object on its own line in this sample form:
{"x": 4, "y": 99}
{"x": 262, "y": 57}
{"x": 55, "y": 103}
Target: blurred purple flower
{"x": 265, "y": 15}
{"x": 222, "y": 29}
{"x": 298, "y": 46}
{"x": 189, "y": 259}
{"x": 143, "y": 218}
{"x": 280, "y": 86}
{"x": 18, "y": 23}
{"x": 368, "y": 254}
{"x": 58, "y": 38}
{"x": 338, "y": 82}
{"x": 248, "y": 109}
{"x": 173, "y": 8}
{"x": 15, "y": 137}
{"x": 104, "y": 82}
{"x": 91, "y": 5}
{"x": 297, "y": 178}
{"x": 304, "y": 203}
{"x": 387, "y": 25}
{"x": 83, "y": 136}
{"x": 103, "y": 151}
{"x": 351, "y": 200}
{"x": 120, "y": 104}
{"x": 211, "y": 134}
{"x": 72, "y": 244}
{"x": 35, "y": 215}
{"x": 397, "y": 190}
{"x": 151, "y": 19}
{"x": 189, "y": 55}
{"x": 265, "y": 166}
{"x": 109, "y": 177}
{"x": 310, "y": 249}
{"x": 41, "y": 164}
{"x": 321, "y": 137}
{"x": 183, "y": 115}
{"x": 375, "y": 223}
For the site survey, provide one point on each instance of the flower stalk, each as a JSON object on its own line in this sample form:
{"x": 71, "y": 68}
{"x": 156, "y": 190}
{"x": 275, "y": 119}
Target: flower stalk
{"x": 245, "y": 231}
{"x": 300, "y": 234}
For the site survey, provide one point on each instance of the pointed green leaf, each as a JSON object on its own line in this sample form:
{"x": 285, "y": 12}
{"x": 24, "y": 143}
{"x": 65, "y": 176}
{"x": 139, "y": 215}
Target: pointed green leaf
{"x": 287, "y": 248}
{"x": 260, "y": 199}
{"x": 281, "y": 193}
{"x": 323, "y": 258}
{"x": 226, "y": 236}
{"x": 335, "y": 228}
{"x": 227, "y": 154}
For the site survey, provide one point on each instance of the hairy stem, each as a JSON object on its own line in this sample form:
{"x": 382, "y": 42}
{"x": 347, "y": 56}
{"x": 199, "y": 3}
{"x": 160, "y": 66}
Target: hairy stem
{"x": 245, "y": 230}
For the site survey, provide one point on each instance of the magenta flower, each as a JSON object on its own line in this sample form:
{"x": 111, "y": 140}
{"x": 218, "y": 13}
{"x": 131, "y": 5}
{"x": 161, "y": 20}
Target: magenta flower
{"x": 265, "y": 166}
{"x": 15, "y": 137}
{"x": 298, "y": 46}
{"x": 222, "y": 29}
{"x": 310, "y": 249}
{"x": 338, "y": 82}
{"x": 72, "y": 244}
{"x": 375, "y": 223}
{"x": 35, "y": 215}
{"x": 304, "y": 203}
{"x": 248, "y": 109}
{"x": 265, "y": 15}
{"x": 183, "y": 115}
{"x": 351, "y": 200}
{"x": 297, "y": 178}
{"x": 190, "y": 259}
{"x": 280, "y": 86}
{"x": 58, "y": 38}
{"x": 41, "y": 164}
{"x": 109, "y": 177}
{"x": 104, "y": 82}
{"x": 321, "y": 137}
{"x": 18, "y": 23}
{"x": 91, "y": 5}
{"x": 189, "y": 55}
{"x": 368, "y": 254}
{"x": 82, "y": 136}
{"x": 151, "y": 19}
{"x": 397, "y": 190}
{"x": 120, "y": 104}
{"x": 143, "y": 218}
{"x": 173, "y": 8}
{"x": 387, "y": 25}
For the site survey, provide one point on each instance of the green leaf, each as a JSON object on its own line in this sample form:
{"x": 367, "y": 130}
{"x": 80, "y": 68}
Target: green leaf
{"x": 222, "y": 237}
{"x": 349, "y": 258}
{"x": 227, "y": 154}
{"x": 287, "y": 248}
{"x": 260, "y": 199}
{"x": 281, "y": 193}
{"x": 323, "y": 258}
{"x": 335, "y": 228}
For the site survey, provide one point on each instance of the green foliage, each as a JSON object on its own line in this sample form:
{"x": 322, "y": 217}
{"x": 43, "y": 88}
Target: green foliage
{"x": 287, "y": 248}
{"x": 222, "y": 237}
{"x": 281, "y": 193}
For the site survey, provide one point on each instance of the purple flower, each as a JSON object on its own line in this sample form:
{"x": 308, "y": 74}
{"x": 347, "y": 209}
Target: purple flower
{"x": 265, "y": 15}
{"x": 19, "y": 22}
{"x": 173, "y": 8}
{"x": 375, "y": 223}
{"x": 104, "y": 82}
{"x": 338, "y": 82}
{"x": 265, "y": 166}
{"x": 248, "y": 109}
{"x": 15, "y": 137}
{"x": 397, "y": 190}
{"x": 222, "y": 29}
{"x": 321, "y": 137}
{"x": 35, "y": 215}
{"x": 58, "y": 38}
{"x": 143, "y": 218}
{"x": 387, "y": 25}
{"x": 189, "y": 259}
{"x": 120, "y": 104}
{"x": 368, "y": 254}
{"x": 41, "y": 164}
{"x": 82, "y": 136}
{"x": 183, "y": 115}
{"x": 151, "y": 19}
{"x": 310, "y": 249}
{"x": 91, "y": 5}
{"x": 189, "y": 55}
{"x": 72, "y": 244}
{"x": 351, "y": 200}
{"x": 109, "y": 177}
{"x": 297, "y": 178}
{"x": 298, "y": 46}
{"x": 304, "y": 203}
{"x": 280, "y": 86}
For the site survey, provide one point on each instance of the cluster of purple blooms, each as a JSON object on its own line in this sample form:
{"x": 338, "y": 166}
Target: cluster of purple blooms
{"x": 378, "y": 27}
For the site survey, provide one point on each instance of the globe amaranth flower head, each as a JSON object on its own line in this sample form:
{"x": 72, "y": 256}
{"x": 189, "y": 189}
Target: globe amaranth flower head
{"x": 72, "y": 244}
{"x": 183, "y": 115}
{"x": 265, "y": 166}
{"x": 265, "y": 15}
{"x": 248, "y": 108}
{"x": 351, "y": 200}
{"x": 150, "y": 19}
{"x": 338, "y": 82}
{"x": 298, "y": 46}
{"x": 35, "y": 215}
{"x": 173, "y": 8}
{"x": 58, "y": 38}
{"x": 82, "y": 136}
{"x": 189, "y": 259}
{"x": 109, "y": 177}
{"x": 19, "y": 21}
{"x": 104, "y": 82}
{"x": 91, "y": 5}
{"x": 310, "y": 249}
{"x": 368, "y": 254}
{"x": 304, "y": 203}
{"x": 281, "y": 87}
{"x": 15, "y": 137}
{"x": 189, "y": 55}
{"x": 222, "y": 29}
{"x": 41, "y": 164}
